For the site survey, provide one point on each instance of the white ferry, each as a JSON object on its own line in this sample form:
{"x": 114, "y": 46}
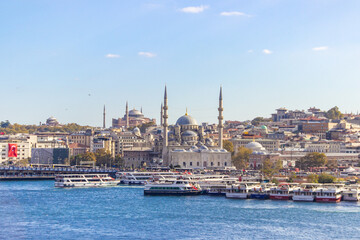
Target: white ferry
{"x": 329, "y": 193}
{"x": 352, "y": 193}
{"x": 306, "y": 192}
{"x": 141, "y": 178}
{"x": 177, "y": 187}
{"x": 282, "y": 192}
{"x": 84, "y": 180}
{"x": 241, "y": 191}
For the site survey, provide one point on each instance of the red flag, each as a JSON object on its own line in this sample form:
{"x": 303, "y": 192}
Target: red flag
{"x": 2, "y": 133}
{"x": 12, "y": 150}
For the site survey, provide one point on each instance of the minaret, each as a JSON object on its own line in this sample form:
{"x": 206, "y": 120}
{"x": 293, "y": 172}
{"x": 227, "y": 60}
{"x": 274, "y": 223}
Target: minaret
{"x": 161, "y": 115}
{"x": 165, "y": 116}
{"x": 141, "y": 110}
{"x": 165, "y": 132}
{"x": 220, "y": 126}
{"x": 127, "y": 115}
{"x": 104, "y": 118}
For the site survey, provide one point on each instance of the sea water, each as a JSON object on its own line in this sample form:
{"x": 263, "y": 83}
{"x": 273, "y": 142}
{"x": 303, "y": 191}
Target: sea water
{"x": 37, "y": 210}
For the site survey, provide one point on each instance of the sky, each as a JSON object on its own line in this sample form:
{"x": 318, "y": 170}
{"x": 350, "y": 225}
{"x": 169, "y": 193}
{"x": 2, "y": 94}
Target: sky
{"x": 66, "y": 58}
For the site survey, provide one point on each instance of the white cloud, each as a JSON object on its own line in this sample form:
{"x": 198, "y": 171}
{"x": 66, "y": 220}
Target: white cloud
{"x": 147, "y": 54}
{"x": 250, "y": 51}
{"x": 227, "y": 14}
{"x": 322, "y": 48}
{"x": 198, "y": 9}
{"x": 110, "y": 55}
{"x": 267, "y": 51}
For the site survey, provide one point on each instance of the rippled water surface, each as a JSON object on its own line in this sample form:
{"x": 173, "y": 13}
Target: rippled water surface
{"x": 36, "y": 210}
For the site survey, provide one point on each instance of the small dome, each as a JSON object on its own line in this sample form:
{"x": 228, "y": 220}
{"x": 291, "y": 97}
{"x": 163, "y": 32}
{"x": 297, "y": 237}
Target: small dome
{"x": 189, "y": 133}
{"x": 263, "y": 127}
{"x": 51, "y": 121}
{"x": 136, "y": 131}
{"x": 186, "y": 120}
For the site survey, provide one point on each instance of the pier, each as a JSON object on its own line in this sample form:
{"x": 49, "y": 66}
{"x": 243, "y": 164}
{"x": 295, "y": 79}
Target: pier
{"x": 46, "y": 173}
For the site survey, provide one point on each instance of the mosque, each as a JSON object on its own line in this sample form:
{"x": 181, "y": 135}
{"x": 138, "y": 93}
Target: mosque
{"x": 131, "y": 118}
{"x": 184, "y": 144}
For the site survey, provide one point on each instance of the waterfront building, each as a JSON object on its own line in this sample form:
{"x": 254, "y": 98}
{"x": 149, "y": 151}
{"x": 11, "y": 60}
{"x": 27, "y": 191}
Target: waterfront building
{"x": 138, "y": 157}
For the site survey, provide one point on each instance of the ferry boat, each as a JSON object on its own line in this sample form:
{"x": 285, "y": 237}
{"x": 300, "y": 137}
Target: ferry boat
{"x": 141, "y": 178}
{"x": 282, "y": 192}
{"x": 177, "y": 187}
{"x": 352, "y": 193}
{"x": 306, "y": 192}
{"x": 329, "y": 193}
{"x": 261, "y": 191}
{"x": 85, "y": 180}
{"x": 241, "y": 191}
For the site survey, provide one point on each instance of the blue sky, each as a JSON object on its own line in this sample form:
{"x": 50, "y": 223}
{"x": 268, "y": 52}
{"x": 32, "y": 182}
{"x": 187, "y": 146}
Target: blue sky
{"x": 68, "y": 58}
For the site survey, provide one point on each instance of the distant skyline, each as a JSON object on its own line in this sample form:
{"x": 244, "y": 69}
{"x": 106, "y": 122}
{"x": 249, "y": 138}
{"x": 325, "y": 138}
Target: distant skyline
{"x": 68, "y": 58}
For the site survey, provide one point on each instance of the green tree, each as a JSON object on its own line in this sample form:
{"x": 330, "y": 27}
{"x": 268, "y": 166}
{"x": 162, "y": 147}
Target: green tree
{"x": 313, "y": 178}
{"x": 269, "y": 168}
{"x": 326, "y": 178}
{"x": 241, "y": 159}
{"x": 334, "y": 113}
{"x": 103, "y": 158}
{"x": 229, "y": 146}
{"x": 84, "y": 157}
{"x": 314, "y": 159}
{"x": 256, "y": 121}
{"x": 119, "y": 161}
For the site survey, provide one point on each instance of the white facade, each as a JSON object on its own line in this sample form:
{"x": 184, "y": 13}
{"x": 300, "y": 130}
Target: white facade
{"x": 201, "y": 158}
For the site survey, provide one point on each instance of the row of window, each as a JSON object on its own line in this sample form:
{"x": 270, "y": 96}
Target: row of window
{"x": 198, "y": 164}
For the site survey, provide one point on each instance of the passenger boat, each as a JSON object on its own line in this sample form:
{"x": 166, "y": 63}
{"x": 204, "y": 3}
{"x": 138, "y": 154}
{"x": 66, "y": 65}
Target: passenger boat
{"x": 329, "y": 193}
{"x": 85, "y": 180}
{"x": 261, "y": 191}
{"x": 305, "y": 193}
{"x": 351, "y": 193}
{"x": 241, "y": 191}
{"x": 177, "y": 187}
{"x": 141, "y": 178}
{"x": 282, "y": 192}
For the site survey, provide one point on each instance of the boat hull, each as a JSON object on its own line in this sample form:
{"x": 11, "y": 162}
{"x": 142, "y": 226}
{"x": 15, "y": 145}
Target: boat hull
{"x": 351, "y": 199}
{"x": 303, "y": 198}
{"x": 171, "y": 193}
{"x": 328, "y": 200}
{"x": 259, "y": 196}
{"x": 237, "y": 195}
{"x": 280, "y": 197}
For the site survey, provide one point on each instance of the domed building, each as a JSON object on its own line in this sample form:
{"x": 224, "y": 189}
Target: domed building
{"x": 131, "y": 118}
{"x": 51, "y": 121}
{"x": 183, "y": 145}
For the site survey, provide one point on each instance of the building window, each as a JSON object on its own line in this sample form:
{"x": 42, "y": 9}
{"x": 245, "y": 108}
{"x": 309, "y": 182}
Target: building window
{"x": 218, "y": 164}
{"x": 190, "y": 163}
{"x": 184, "y": 164}
{"x": 212, "y": 164}
{"x": 225, "y": 163}
{"x": 198, "y": 164}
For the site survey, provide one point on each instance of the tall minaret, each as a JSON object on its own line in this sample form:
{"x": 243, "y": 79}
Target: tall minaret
{"x": 220, "y": 126}
{"x": 104, "y": 118}
{"x": 165, "y": 132}
{"x": 127, "y": 115}
{"x": 161, "y": 115}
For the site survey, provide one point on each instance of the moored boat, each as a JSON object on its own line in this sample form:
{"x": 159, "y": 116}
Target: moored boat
{"x": 177, "y": 187}
{"x": 351, "y": 193}
{"x": 305, "y": 193}
{"x": 84, "y": 180}
{"x": 240, "y": 191}
{"x": 329, "y": 193}
{"x": 282, "y": 192}
{"x": 261, "y": 192}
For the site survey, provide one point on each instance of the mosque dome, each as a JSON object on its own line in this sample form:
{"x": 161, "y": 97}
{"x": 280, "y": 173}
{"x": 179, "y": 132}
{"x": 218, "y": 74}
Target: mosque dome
{"x": 51, "y": 121}
{"x": 135, "y": 113}
{"x": 255, "y": 146}
{"x": 186, "y": 120}
{"x": 263, "y": 127}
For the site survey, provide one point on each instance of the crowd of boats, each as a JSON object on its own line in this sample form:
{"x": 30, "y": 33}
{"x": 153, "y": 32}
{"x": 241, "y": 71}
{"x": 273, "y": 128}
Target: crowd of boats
{"x": 171, "y": 183}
